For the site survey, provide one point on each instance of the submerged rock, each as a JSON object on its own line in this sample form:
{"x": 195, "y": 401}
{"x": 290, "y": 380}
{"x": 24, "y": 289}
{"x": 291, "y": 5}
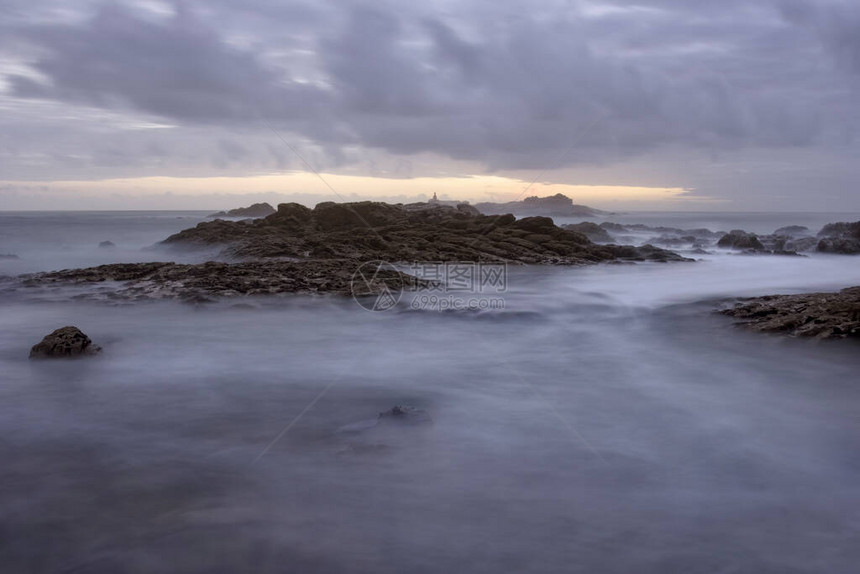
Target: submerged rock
{"x": 8, "y": 256}
{"x": 64, "y": 342}
{"x": 405, "y": 413}
{"x": 822, "y": 315}
{"x": 107, "y": 244}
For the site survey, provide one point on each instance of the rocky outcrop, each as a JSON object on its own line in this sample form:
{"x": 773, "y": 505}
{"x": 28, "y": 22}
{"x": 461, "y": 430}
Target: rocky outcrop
{"x": 822, "y": 315}
{"x": 253, "y": 211}
{"x": 107, "y": 244}
{"x": 591, "y": 230}
{"x": 65, "y": 342}
{"x": 557, "y": 205}
{"x": 160, "y": 280}
{"x": 8, "y": 256}
{"x": 766, "y": 244}
{"x": 738, "y": 239}
{"x": 302, "y": 250}
{"x": 841, "y": 237}
{"x": 368, "y": 230}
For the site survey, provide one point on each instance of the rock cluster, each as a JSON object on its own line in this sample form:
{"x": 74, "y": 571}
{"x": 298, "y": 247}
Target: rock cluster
{"x": 64, "y": 342}
{"x": 367, "y": 230}
{"x": 302, "y": 250}
{"x": 822, "y": 315}
{"x": 840, "y": 238}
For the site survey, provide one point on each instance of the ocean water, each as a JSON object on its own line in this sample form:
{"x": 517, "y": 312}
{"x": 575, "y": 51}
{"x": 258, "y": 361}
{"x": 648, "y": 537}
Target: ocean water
{"x": 603, "y": 420}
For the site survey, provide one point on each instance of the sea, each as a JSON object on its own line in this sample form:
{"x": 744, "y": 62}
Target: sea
{"x": 593, "y": 419}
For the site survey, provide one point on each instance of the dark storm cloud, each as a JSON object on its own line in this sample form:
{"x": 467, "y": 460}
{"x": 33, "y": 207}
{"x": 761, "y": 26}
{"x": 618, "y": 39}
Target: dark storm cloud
{"x": 176, "y": 68}
{"x": 507, "y": 84}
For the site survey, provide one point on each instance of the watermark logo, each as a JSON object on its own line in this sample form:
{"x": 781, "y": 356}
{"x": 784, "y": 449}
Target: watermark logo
{"x": 440, "y": 285}
{"x": 377, "y": 285}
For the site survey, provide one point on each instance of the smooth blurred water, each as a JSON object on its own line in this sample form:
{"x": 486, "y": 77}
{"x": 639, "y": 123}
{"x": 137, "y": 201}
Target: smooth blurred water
{"x": 51, "y": 240}
{"x": 605, "y": 421}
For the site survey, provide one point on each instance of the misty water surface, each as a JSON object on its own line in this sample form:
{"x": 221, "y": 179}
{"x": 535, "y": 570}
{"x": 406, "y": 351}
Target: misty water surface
{"x": 605, "y": 421}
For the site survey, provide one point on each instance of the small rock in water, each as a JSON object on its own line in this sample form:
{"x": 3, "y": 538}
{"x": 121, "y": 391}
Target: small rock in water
{"x": 8, "y": 256}
{"x": 64, "y": 342}
{"x": 406, "y": 413}
{"x": 107, "y": 244}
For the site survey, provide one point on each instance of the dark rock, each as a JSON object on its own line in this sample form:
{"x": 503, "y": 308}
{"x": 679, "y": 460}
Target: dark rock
{"x": 739, "y": 239}
{"x": 64, "y": 342}
{"x": 256, "y": 210}
{"x": 107, "y": 244}
{"x": 591, "y": 230}
{"x": 840, "y": 237}
{"x": 841, "y": 229}
{"x": 8, "y": 256}
{"x": 644, "y": 253}
{"x": 821, "y": 315}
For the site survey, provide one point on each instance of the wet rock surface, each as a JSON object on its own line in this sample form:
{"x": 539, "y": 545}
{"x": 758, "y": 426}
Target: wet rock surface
{"x": 160, "y": 280}
{"x": 821, "y": 315}
{"x": 65, "y": 342}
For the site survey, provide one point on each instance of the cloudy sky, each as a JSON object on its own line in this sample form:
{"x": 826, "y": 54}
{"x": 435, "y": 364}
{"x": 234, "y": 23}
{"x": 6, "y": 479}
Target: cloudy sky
{"x": 651, "y": 104}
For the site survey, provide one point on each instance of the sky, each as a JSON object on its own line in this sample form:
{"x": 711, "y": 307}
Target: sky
{"x": 736, "y": 105}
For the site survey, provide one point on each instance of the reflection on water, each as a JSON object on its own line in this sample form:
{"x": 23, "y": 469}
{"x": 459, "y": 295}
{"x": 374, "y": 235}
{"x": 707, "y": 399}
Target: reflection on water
{"x": 604, "y": 421}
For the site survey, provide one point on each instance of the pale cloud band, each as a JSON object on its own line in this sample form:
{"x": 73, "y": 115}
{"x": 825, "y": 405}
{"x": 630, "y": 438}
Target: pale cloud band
{"x": 226, "y": 192}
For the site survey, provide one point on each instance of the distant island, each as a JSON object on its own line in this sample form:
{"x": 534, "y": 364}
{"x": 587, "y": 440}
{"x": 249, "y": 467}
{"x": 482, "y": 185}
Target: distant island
{"x": 253, "y": 211}
{"x": 558, "y": 205}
